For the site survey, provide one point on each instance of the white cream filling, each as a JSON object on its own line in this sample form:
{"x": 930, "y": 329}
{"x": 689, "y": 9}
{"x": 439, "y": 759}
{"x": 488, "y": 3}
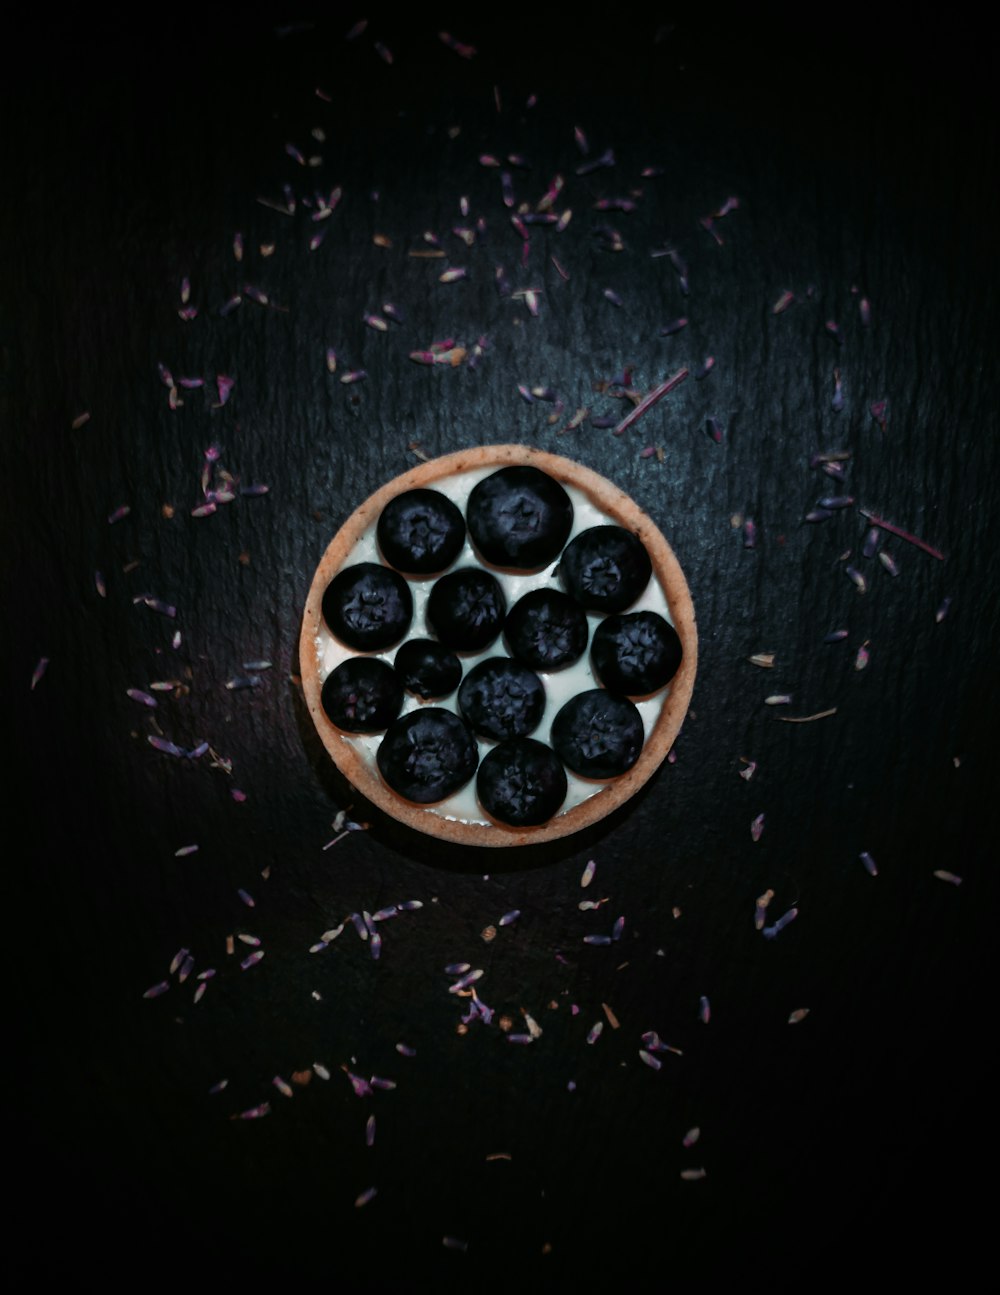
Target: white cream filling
{"x": 560, "y": 685}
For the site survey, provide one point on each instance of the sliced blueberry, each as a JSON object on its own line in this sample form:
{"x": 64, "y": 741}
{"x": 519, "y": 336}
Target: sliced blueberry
{"x": 420, "y": 532}
{"x": 605, "y": 568}
{"x": 546, "y": 629}
{"x": 636, "y": 654}
{"x": 521, "y": 782}
{"x": 428, "y": 755}
{"x": 519, "y": 517}
{"x": 427, "y": 668}
{"x": 466, "y": 609}
{"x": 501, "y": 698}
{"x": 363, "y": 695}
{"x": 597, "y": 734}
{"x": 368, "y": 606}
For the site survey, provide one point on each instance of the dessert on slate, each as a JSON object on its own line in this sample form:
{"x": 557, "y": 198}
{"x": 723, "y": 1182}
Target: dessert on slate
{"x": 498, "y": 647}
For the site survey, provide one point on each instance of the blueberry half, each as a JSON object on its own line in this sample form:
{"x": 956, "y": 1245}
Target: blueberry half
{"x": 501, "y": 698}
{"x": 421, "y": 532}
{"x": 427, "y": 668}
{"x": 605, "y": 568}
{"x": 635, "y": 654}
{"x": 363, "y": 695}
{"x": 466, "y": 609}
{"x": 546, "y": 629}
{"x": 521, "y": 783}
{"x": 597, "y": 734}
{"x": 428, "y": 755}
{"x": 368, "y": 606}
{"x": 519, "y": 517}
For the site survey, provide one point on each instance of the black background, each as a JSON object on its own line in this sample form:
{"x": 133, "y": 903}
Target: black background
{"x": 863, "y": 156}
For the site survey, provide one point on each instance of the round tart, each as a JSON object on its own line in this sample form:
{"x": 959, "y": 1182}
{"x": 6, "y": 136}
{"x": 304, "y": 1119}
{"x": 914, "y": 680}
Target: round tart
{"x": 520, "y": 799}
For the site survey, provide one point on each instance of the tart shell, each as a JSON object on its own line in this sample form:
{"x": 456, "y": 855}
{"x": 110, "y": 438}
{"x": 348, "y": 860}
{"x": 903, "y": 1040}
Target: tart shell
{"x": 619, "y": 508}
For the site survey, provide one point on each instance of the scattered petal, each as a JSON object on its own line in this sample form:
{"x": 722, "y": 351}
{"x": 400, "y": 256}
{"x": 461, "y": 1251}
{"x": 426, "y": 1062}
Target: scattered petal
{"x": 771, "y": 931}
{"x": 256, "y": 1112}
{"x": 760, "y": 909}
{"x": 649, "y": 400}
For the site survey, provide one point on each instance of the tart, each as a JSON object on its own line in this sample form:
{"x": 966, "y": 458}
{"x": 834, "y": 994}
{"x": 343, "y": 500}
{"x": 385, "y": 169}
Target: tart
{"x": 505, "y": 605}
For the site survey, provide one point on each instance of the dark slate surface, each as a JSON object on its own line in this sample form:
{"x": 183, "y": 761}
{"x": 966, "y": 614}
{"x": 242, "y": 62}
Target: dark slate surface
{"x": 861, "y": 160}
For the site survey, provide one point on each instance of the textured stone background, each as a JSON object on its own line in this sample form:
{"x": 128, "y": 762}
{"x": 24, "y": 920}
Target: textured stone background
{"x": 860, "y": 157}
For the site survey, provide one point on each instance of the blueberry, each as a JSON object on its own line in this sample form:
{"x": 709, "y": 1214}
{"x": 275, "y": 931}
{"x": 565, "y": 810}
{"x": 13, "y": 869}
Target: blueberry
{"x": 502, "y": 699}
{"x": 428, "y": 755}
{"x": 605, "y": 568}
{"x": 427, "y": 668}
{"x": 597, "y": 734}
{"x": 521, "y": 782}
{"x": 519, "y": 517}
{"x": 363, "y": 695}
{"x": 421, "y": 532}
{"x": 466, "y": 609}
{"x": 368, "y": 606}
{"x": 636, "y": 654}
{"x": 546, "y": 630}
